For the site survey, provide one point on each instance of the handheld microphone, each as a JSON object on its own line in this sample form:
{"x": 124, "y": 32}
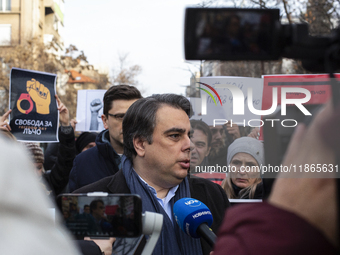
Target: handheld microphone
{"x": 195, "y": 219}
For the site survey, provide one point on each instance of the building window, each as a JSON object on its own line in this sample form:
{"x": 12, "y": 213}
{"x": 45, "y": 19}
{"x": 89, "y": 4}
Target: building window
{"x": 5, "y": 5}
{"x": 55, "y": 23}
{"x": 5, "y": 34}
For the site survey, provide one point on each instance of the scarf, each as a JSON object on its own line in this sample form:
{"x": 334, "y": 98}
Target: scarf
{"x": 236, "y": 189}
{"x": 172, "y": 239}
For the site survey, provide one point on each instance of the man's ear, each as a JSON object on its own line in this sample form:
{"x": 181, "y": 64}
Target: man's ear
{"x": 105, "y": 120}
{"x": 139, "y": 145}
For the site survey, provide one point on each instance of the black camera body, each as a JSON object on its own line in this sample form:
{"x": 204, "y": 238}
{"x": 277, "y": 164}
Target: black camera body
{"x": 231, "y": 34}
{"x": 256, "y": 34}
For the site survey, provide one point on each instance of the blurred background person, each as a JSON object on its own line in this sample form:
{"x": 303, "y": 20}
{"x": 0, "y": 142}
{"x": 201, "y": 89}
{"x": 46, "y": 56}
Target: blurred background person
{"x": 85, "y": 141}
{"x": 5, "y": 129}
{"x": 245, "y": 156}
{"x": 86, "y": 209}
{"x": 24, "y": 216}
{"x": 37, "y": 157}
{"x": 7, "y": 134}
{"x": 222, "y": 137}
{"x": 58, "y": 176}
{"x": 4, "y": 125}
{"x": 200, "y": 145}
{"x": 200, "y": 137}
{"x": 51, "y": 149}
{"x": 219, "y": 146}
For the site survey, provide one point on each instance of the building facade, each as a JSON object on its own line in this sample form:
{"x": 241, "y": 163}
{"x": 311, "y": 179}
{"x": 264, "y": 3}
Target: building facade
{"x": 22, "y": 20}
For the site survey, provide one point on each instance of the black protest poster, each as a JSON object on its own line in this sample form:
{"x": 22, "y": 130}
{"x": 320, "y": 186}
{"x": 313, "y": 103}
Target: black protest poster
{"x": 34, "y": 115}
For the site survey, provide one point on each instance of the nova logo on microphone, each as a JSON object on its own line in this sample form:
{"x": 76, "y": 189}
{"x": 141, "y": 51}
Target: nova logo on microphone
{"x": 190, "y": 214}
{"x": 195, "y": 219}
{"x": 193, "y": 203}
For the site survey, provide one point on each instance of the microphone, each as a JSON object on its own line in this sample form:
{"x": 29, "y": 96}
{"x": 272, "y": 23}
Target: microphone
{"x": 195, "y": 219}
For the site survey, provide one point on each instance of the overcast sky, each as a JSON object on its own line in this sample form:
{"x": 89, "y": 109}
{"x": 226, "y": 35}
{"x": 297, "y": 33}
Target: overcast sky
{"x": 150, "y": 31}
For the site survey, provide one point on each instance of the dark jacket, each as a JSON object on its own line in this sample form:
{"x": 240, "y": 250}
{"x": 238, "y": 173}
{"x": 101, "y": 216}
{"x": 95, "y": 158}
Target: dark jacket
{"x": 211, "y": 194}
{"x": 50, "y": 155}
{"x": 57, "y": 177}
{"x": 95, "y": 163}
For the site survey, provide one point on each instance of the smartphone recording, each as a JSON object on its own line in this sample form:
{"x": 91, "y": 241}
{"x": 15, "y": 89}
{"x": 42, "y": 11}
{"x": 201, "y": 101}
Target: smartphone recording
{"x": 110, "y": 215}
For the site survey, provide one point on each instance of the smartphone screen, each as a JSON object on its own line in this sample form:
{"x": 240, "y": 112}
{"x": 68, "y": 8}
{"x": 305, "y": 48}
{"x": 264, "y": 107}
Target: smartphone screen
{"x": 111, "y": 215}
{"x": 231, "y": 34}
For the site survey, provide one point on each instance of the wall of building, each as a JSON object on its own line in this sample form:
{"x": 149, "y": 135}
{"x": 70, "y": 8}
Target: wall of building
{"x": 29, "y": 19}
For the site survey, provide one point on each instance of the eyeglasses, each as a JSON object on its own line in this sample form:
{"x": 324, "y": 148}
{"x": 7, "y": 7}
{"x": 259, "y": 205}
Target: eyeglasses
{"x": 119, "y": 116}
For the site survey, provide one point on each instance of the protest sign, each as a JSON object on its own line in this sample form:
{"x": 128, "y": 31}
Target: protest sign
{"x": 34, "y": 115}
{"x": 89, "y": 110}
{"x": 318, "y": 86}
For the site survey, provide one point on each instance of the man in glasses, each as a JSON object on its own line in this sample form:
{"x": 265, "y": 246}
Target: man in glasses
{"x": 104, "y": 159}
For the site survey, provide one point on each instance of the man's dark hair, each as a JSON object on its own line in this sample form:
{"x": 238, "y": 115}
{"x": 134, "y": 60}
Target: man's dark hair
{"x": 86, "y": 206}
{"x": 94, "y": 204}
{"x": 140, "y": 118}
{"x": 119, "y": 92}
{"x": 201, "y": 125}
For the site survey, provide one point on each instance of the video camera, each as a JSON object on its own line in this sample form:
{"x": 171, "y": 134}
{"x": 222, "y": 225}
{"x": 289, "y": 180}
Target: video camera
{"x": 256, "y": 34}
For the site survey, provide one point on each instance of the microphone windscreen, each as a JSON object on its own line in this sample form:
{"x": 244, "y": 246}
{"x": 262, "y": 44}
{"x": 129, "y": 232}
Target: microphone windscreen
{"x": 190, "y": 213}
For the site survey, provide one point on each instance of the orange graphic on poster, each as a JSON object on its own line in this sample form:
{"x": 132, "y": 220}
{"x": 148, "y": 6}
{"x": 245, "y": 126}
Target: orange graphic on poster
{"x": 25, "y": 96}
{"x": 40, "y": 95}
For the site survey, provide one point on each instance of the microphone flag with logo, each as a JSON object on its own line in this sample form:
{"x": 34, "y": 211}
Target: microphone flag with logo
{"x": 190, "y": 213}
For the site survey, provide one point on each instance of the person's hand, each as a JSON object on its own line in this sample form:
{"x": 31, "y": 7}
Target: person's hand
{"x": 64, "y": 116}
{"x": 105, "y": 245}
{"x": 233, "y": 130}
{"x": 255, "y": 133}
{"x": 3, "y": 121}
{"x": 96, "y": 105}
{"x": 40, "y": 95}
{"x": 73, "y": 123}
{"x": 306, "y": 193}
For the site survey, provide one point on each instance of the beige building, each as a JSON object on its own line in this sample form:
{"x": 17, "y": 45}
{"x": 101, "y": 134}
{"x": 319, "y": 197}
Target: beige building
{"x": 22, "y": 20}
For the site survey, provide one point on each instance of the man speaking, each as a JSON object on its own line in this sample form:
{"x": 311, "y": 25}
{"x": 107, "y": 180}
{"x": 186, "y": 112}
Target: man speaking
{"x": 156, "y": 134}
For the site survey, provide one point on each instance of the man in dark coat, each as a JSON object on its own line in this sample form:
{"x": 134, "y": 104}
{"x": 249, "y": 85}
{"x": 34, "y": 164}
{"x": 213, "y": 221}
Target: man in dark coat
{"x": 155, "y": 166}
{"x": 105, "y": 159}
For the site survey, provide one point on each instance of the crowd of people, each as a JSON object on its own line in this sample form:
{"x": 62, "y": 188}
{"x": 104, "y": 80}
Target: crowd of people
{"x": 150, "y": 147}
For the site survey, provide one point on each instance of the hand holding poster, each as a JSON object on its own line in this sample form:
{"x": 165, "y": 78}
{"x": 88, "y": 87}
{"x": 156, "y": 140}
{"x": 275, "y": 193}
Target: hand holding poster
{"x": 34, "y": 115}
